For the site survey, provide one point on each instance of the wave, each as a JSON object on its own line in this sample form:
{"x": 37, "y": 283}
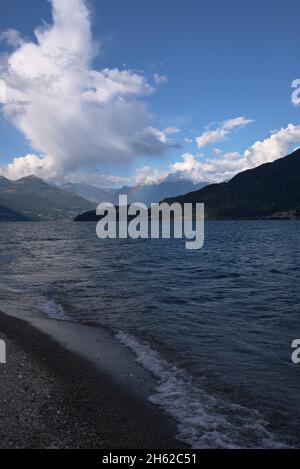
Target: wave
{"x": 203, "y": 421}
{"x": 54, "y": 311}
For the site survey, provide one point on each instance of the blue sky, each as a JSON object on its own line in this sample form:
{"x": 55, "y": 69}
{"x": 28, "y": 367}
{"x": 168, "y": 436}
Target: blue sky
{"x": 221, "y": 60}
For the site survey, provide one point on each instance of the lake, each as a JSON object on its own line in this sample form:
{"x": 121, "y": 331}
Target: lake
{"x": 214, "y": 326}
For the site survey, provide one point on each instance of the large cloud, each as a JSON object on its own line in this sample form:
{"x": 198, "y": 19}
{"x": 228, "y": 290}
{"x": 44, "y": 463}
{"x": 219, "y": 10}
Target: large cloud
{"x": 72, "y": 115}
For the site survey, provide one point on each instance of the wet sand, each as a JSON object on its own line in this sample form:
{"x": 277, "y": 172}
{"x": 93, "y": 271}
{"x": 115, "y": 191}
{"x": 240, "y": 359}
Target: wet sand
{"x": 51, "y": 397}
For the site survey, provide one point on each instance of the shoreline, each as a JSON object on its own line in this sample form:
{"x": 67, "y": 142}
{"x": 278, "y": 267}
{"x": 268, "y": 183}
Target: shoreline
{"x": 54, "y": 396}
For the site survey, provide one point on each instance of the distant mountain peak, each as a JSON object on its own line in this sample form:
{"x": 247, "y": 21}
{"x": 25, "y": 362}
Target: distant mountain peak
{"x": 31, "y": 178}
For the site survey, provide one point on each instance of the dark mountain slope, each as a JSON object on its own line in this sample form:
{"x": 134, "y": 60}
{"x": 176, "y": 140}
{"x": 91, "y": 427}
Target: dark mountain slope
{"x": 37, "y": 200}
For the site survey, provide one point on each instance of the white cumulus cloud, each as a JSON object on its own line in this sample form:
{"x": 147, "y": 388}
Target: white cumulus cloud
{"x": 209, "y": 170}
{"x": 72, "y": 115}
{"x": 147, "y": 175}
{"x": 224, "y": 166}
{"x": 273, "y": 147}
{"x": 28, "y": 165}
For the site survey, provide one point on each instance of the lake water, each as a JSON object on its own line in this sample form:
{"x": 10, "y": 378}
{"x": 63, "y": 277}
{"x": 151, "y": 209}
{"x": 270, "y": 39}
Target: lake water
{"x": 214, "y": 326}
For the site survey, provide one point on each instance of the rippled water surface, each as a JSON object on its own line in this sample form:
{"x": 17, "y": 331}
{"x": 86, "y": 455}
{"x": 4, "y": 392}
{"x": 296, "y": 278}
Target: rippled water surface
{"x": 214, "y": 326}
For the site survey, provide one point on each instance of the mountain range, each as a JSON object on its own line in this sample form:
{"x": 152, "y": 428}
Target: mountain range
{"x": 89, "y": 192}
{"x": 271, "y": 190}
{"x": 146, "y": 194}
{"x": 32, "y": 198}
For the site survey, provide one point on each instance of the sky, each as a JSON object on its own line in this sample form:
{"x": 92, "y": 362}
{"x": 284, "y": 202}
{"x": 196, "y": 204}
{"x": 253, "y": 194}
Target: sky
{"x": 117, "y": 92}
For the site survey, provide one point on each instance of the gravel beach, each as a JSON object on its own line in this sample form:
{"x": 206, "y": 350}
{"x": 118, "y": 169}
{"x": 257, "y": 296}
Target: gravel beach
{"x": 53, "y": 398}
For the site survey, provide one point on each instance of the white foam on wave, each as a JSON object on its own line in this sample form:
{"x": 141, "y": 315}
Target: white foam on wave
{"x": 203, "y": 421}
{"x": 54, "y": 311}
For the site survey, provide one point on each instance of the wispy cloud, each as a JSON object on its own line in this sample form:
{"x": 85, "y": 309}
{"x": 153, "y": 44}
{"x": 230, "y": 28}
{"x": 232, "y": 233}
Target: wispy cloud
{"x": 12, "y": 37}
{"x": 172, "y": 130}
{"x": 160, "y": 79}
{"x": 222, "y": 131}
